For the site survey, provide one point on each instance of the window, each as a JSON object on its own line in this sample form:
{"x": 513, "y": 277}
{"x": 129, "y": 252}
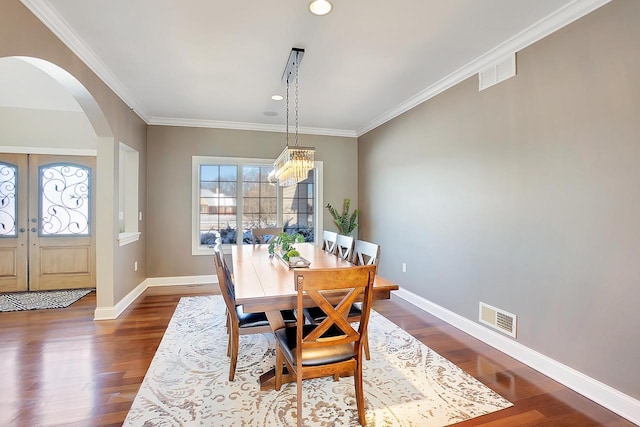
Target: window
{"x": 64, "y": 203}
{"x": 299, "y": 208}
{"x": 8, "y": 194}
{"x": 128, "y": 195}
{"x": 231, "y": 193}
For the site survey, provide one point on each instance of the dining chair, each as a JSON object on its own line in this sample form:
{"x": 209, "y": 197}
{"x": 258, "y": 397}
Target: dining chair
{"x": 364, "y": 253}
{"x": 239, "y": 322}
{"x": 329, "y": 241}
{"x": 264, "y": 235}
{"x": 344, "y": 247}
{"x": 333, "y": 347}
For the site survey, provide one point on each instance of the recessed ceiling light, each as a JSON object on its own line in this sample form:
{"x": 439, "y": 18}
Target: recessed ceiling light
{"x": 320, "y": 7}
{"x": 277, "y": 97}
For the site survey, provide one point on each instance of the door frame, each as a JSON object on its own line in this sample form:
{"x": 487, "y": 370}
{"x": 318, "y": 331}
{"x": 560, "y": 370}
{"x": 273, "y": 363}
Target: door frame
{"x": 105, "y": 153}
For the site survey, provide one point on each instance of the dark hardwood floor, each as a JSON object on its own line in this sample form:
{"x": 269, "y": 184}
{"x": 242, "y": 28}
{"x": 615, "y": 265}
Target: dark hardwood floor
{"x": 59, "y": 367}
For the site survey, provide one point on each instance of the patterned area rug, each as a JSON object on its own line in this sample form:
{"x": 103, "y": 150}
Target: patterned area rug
{"x": 40, "y": 300}
{"x": 405, "y": 382}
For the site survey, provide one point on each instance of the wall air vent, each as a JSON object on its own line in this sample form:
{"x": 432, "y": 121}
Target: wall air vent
{"x": 500, "y": 320}
{"x": 498, "y": 72}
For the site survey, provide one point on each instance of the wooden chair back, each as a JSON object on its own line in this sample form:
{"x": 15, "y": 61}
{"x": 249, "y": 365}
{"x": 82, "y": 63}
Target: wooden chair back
{"x": 227, "y": 288}
{"x": 365, "y": 253}
{"x": 317, "y": 285}
{"x": 333, "y": 347}
{"x": 344, "y": 247}
{"x": 264, "y": 235}
{"x": 329, "y": 241}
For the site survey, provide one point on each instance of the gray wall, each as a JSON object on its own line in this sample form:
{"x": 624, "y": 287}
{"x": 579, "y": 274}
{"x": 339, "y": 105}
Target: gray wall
{"x": 169, "y": 203}
{"x": 526, "y": 196}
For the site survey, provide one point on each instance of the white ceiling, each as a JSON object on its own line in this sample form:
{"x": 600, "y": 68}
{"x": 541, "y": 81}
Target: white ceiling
{"x": 217, "y": 63}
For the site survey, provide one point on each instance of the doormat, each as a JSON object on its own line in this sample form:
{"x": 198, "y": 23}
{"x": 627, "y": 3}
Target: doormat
{"x": 40, "y": 300}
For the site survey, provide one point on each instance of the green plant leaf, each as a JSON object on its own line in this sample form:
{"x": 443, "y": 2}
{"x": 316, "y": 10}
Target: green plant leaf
{"x": 346, "y": 223}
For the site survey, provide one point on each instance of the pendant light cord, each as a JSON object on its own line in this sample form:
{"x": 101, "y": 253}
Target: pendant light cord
{"x": 286, "y": 129}
{"x": 297, "y": 62}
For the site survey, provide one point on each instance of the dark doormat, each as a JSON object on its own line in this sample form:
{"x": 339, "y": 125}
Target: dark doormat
{"x": 41, "y": 299}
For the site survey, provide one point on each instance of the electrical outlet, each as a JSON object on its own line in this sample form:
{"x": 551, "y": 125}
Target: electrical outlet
{"x": 139, "y": 216}
{"x": 135, "y": 266}
{"x": 404, "y": 267}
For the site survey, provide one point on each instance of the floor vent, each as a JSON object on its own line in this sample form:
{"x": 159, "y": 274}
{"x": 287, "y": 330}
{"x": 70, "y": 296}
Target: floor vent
{"x": 500, "y": 320}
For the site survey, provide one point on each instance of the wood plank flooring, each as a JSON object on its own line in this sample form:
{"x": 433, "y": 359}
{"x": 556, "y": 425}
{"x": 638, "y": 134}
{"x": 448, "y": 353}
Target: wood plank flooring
{"x": 59, "y": 367}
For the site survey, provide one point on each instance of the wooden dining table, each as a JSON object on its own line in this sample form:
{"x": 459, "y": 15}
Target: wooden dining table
{"x": 265, "y": 283}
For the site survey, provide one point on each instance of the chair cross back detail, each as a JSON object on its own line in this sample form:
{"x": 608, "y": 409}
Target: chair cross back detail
{"x": 259, "y": 235}
{"x": 329, "y": 241}
{"x": 344, "y": 247}
{"x": 334, "y": 316}
{"x": 366, "y": 253}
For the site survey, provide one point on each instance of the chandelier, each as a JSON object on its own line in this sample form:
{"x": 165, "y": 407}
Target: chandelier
{"x": 294, "y": 163}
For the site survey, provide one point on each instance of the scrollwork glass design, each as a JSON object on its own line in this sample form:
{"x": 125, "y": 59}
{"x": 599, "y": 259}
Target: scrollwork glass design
{"x": 64, "y": 200}
{"x": 8, "y": 181}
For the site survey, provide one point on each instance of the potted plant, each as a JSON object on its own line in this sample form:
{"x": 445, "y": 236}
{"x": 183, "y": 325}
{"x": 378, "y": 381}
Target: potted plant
{"x": 346, "y": 222}
{"x": 284, "y": 243}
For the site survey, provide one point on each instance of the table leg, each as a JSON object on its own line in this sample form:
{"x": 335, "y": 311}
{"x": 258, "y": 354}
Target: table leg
{"x": 268, "y": 379}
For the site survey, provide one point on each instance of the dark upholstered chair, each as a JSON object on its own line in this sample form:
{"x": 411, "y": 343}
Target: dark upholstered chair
{"x": 364, "y": 253}
{"x": 239, "y": 322}
{"x": 332, "y": 347}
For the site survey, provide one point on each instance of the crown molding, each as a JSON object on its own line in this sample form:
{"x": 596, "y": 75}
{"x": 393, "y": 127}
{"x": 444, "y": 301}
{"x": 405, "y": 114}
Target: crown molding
{"x": 259, "y": 127}
{"x": 553, "y": 22}
{"x": 48, "y": 16}
{"x": 548, "y": 25}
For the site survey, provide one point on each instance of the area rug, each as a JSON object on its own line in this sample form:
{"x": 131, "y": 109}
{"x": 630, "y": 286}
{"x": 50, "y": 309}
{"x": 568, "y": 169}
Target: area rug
{"x": 40, "y": 299}
{"x": 405, "y": 382}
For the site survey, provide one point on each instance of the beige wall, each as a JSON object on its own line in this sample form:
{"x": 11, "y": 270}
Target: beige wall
{"x": 526, "y": 196}
{"x": 60, "y": 129}
{"x": 22, "y": 34}
{"x": 170, "y": 152}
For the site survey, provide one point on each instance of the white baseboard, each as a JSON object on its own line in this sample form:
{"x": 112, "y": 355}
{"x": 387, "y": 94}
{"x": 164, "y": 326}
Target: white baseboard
{"x": 110, "y": 313}
{"x": 612, "y": 399}
{"x": 180, "y": 280}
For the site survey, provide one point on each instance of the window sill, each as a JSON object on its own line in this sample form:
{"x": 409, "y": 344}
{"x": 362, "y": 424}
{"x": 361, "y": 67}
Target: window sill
{"x": 128, "y": 237}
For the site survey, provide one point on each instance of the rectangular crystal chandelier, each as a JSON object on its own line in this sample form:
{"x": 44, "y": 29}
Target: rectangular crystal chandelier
{"x": 294, "y": 163}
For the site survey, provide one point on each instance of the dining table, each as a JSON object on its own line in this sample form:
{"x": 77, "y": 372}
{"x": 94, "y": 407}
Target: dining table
{"x": 264, "y": 282}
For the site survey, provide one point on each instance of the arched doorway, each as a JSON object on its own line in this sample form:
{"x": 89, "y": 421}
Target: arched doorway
{"x": 68, "y": 121}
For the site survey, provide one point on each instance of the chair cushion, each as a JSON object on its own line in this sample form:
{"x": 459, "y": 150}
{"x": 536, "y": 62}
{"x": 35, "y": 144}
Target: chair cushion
{"x": 313, "y": 356}
{"x": 289, "y": 316}
{"x": 248, "y": 320}
{"x": 317, "y": 315}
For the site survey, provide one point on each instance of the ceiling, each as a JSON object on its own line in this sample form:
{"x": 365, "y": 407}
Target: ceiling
{"x": 216, "y": 63}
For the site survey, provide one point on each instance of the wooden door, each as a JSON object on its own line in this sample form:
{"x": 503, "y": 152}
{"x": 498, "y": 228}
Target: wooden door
{"x": 47, "y": 232}
{"x": 13, "y": 222}
{"x": 61, "y": 229}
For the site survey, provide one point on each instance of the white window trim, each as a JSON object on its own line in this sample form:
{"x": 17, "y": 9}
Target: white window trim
{"x": 196, "y": 161}
{"x": 128, "y": 237}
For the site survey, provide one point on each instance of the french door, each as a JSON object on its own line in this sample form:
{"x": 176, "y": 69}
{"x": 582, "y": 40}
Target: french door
{"x": 47, "y": 232}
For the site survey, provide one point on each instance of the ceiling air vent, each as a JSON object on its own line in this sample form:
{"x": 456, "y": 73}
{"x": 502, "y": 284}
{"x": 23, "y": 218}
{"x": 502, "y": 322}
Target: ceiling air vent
{"x": 498, "y": 72}
{"x": 500, "y": 320}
